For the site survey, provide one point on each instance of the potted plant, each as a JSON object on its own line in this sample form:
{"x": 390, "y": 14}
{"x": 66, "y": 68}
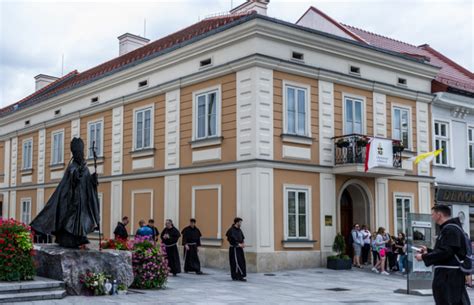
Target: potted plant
{"x": 362, "y": 142}
{"x": 340, "y": 261}
{"x": 342, "y": 142}
{"x": 398, "y": 147}
{"x": 122, "y": 289}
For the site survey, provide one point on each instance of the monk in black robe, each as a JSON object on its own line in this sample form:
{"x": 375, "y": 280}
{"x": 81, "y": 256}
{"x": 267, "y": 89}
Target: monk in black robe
{"x": 72, "y": 212}
{"x": 170, "y": 236}
{"x": 236, "y": 237}
{"x": 448, "y": 280}
{"x": 191, "y": 241}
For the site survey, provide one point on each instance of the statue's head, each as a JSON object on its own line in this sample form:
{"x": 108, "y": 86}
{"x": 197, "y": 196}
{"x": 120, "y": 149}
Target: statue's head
{"x": 77, "y": 149}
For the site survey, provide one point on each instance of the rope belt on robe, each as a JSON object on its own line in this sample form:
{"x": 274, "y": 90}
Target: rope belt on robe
{"x": 167, "y": 246}
{"x": 186, "y": 251}
{"x": 237, "y": 266}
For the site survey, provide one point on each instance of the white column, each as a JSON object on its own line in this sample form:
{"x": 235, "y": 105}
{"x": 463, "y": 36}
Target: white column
{"x": 75, "y": 128}
{"x": 171, "y": 206}
{"x": 117, "y": 140}
{"x": 39, "y": 200}
{"x": 12, "y": 206}
{"x": 255, "y": 114}
{"x": 172, "y": 138}
{"x": 424, "y": 197}
{"x": 115, "y": 204}
{"x": 41, "y": 155}
{"x": 6, "y": 197}
{"x": 422, "y": 135}
{"x": 380, "y": 114}
{"x": 255, "y": 207}
{"x": 328, "y": 205}
{"x": 381, "y": 204}
{"x": 14, "y": 157}
{"x": 6, "y": 165}
{"x": 326, "y": 123}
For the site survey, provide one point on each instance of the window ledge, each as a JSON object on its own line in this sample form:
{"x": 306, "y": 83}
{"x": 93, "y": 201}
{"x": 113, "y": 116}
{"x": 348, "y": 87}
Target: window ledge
{"x": 100, "y": 160}
{"x": 408, "y": 153}
{"x": 56, "y": 166}
{"x": 298, "y": 243}
{"x": 26, "y": 171}
{"x": 443, "y": 166}
{"x": 291, "y": 138}
{"x": 142, "y": 152}
{"x": 467, "y": 170}
{"x": 212, "y": 242}
{"x": 206, "y": 142}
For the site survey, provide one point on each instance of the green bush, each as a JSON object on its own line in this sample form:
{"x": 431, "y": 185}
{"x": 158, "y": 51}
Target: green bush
{"x": 16, "y": 251}
{"x": 339, "y": 246}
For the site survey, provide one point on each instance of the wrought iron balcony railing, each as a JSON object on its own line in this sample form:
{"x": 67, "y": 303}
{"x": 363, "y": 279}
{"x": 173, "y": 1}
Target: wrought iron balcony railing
{"x": 351, "y": 149}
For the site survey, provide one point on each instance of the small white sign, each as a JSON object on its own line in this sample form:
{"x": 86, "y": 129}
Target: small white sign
{"x": 421, "y": 224}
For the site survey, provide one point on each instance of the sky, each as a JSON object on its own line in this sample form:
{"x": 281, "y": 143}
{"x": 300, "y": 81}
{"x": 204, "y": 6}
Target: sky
{"x": 35, "y": 36}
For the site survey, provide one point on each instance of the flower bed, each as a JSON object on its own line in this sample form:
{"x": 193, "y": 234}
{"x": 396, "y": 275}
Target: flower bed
{"x": 16, "y": 251}
{"x": 150, "y": 266}
{"x": 117, "y": 244}
{"x": 95, "y": 282}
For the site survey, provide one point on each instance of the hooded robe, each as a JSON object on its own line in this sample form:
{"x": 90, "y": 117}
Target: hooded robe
{"x": 191, "y": 238}
{"x": 171, "y": 246}
{"x": 235, "y": 236}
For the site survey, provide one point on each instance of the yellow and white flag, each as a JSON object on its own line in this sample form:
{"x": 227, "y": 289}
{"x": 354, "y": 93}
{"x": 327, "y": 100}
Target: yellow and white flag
{"x": 426, "y": 157}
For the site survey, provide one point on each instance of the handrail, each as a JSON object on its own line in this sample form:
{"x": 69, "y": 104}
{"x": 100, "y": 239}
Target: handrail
{"x": 362, "y": 135}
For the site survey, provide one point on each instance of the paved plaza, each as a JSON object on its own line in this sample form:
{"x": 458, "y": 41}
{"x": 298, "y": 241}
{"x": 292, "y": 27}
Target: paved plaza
{"x": 310, "y": 286}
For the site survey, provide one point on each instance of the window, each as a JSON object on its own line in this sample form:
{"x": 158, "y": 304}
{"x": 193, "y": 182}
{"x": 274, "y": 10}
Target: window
{"x": 26, "y": 210}
{"x": 95, "y": 136}
{"x": 401, "y": 125}
{"x": 441, "y": 141}
{"x": 353, "y": 116}
{"x": 297, "y": 56}
{"x": 402, "y": 81}
{"x": 27, "y": 123}
{"x": 143, "y": 84}
{"x": 207, "y": 114}
{"x": 297, "y": 214}
{"x": 27, "y": 154}
{"x": 57, "y": 112}
{"x": 143, "y": 128}
{"x": 94, "y": 100}
{"x": 205, "y": 62}
{"x": 57, "y": 149}
{"x": 470, "y": 147}
{"x": 296, "y": 110}
{"x": 402, "y": 208}
{"x": 355, "y": 70}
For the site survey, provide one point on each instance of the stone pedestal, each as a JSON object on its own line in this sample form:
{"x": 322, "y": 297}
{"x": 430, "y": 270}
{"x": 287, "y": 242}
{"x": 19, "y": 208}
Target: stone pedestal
{"x": 67, "y": 265}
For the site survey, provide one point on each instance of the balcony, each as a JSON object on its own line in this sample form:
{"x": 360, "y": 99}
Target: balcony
{"x": 350, "y": 154}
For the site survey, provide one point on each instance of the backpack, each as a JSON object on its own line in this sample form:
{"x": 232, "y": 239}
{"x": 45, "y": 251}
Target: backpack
{"x": 466, "y": 265}
{"x": 350, "y": 240}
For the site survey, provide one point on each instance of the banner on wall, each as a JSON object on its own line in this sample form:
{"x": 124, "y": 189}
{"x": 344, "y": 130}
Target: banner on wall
{"x": 379, "y": 153}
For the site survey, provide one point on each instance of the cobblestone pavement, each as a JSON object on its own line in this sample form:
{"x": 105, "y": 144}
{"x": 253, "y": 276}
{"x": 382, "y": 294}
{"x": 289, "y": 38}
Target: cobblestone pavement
{"x": 308, "y": 286}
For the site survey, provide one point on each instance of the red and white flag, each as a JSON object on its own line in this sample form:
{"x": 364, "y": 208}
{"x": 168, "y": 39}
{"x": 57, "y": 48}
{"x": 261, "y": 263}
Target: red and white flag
{"x": 378, "y": 153}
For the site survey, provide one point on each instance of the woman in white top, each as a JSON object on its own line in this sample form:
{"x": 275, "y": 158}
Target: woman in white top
{"x": 366, "y": 245}
{"x": 357, "y": 243}
{"x": 380, "y": 243}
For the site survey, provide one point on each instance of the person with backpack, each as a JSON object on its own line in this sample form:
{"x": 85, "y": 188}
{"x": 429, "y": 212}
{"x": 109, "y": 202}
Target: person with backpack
{"x": 357, "y": 244}
{"x": 450, "y": 257}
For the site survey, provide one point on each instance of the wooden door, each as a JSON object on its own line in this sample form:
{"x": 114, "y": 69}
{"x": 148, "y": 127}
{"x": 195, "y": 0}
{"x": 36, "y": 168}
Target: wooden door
{"x": 346, "y": 219}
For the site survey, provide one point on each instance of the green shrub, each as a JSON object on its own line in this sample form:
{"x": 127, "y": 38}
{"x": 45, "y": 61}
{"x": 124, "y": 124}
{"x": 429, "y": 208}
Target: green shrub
{"x": 16, "y": 251}
{"x": 339, "y": 246}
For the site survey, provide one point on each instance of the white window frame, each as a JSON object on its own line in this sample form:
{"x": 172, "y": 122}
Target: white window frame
{"x": 297, "y": 86}
{"x": 25, "y": 164}
{"x": 447, "y": 138}
{"x": 217, "y": 89}
{"x": 363, "y": 112}
{"x": 28, "y": 215}
{"x": 402, "y": 196}
{"x": 89, "y": 143}
{"x": 470, "y": 143}
{"x": 61, "y": 150}
{"x": 410, "y": 125}
{"x": 152, "y": 127}
{"x": 309, "y": 227}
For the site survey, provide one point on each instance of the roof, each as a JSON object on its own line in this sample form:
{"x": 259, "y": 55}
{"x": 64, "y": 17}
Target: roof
{"x": 451, "y": 73}
{"x": 158, "y": 47}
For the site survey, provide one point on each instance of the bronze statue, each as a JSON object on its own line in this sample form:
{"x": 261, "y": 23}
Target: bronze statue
{"x": 72, "y": 212}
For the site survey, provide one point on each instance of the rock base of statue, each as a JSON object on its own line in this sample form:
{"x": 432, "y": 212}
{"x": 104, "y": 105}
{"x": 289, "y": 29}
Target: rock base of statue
{"x": 68, "y": 265}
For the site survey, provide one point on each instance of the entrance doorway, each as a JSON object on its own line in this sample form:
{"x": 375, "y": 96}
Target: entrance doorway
{"x": 354, "y": 208}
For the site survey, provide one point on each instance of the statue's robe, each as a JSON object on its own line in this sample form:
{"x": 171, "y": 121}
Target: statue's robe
{"x": 72, "y": 212}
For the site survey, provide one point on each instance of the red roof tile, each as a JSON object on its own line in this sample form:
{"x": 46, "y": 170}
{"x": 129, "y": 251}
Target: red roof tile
{"x": 155, "y": 48}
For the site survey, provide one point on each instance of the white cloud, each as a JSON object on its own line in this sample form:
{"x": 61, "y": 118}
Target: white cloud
{"x": 35, "y": 34}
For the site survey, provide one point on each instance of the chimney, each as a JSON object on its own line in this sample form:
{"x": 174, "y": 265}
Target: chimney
{"x": 42, "y": 80}
{"x": 129, "y": 42}
{"x": 260, "y": 6}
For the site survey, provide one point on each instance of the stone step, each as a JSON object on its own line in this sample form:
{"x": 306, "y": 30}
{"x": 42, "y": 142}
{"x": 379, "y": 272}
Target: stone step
{"x": 38, "y": 284}
{"x": 32, "y": 296}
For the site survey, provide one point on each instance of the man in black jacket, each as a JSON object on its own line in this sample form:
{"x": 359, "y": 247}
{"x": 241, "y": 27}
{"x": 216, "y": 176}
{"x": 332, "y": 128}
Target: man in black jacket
{"x": 448, "y": 280}
{"x": 120, "y": 231}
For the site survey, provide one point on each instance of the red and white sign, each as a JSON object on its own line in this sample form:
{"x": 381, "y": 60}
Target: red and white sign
{"x": 379, "y": 153}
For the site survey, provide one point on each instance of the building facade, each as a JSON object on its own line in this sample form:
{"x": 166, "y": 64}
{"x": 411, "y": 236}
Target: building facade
{"x": 238, "y": 115}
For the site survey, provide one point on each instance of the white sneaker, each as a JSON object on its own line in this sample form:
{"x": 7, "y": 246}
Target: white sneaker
{"x": 385, "y": 273}
{"x": 375, "y": 270}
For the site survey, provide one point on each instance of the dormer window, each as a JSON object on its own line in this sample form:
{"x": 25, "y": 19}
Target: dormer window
{"x": 354, "y": 70}
{"x": 143, "y": 84}
{"x": 205, "y": 62}
{"x": 297, "y": 56}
